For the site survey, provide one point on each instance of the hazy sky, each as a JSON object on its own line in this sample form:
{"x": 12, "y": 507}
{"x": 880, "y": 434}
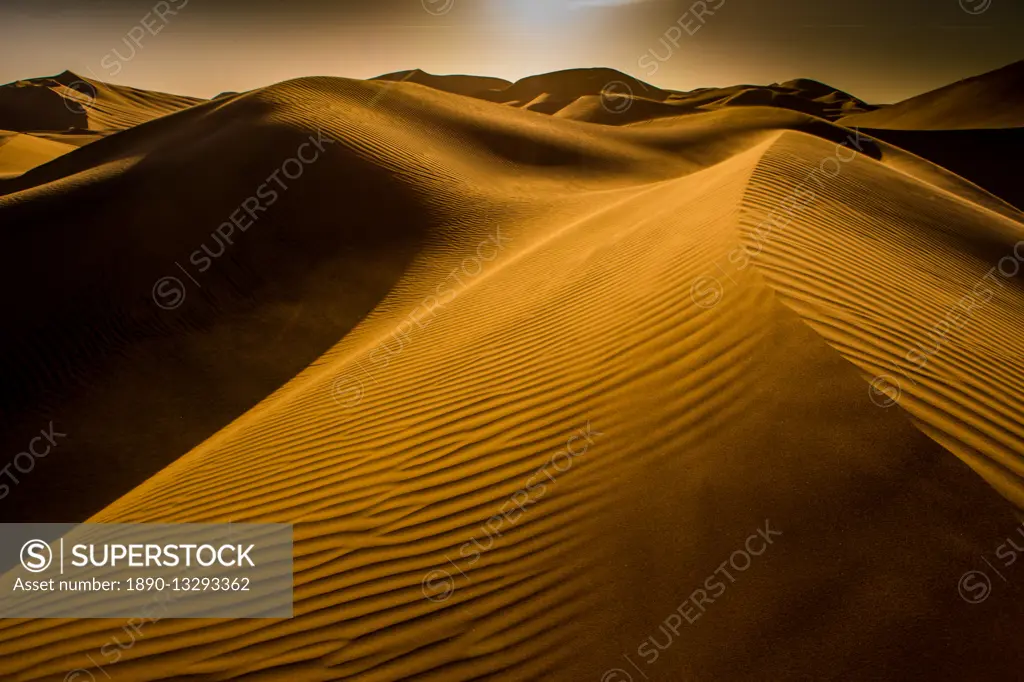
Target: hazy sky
{"x": 876, "y": 49}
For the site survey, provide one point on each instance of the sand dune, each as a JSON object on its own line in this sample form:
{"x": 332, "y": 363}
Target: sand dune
{"x": 991, "y": 100}
{"x": 802, "y": 94}
{"x": 715, "y": 305}
{"x": 986, "y": 157}
{"x": 471, "y": 86}
{"x": 67, "y": 100}
{"x": 601, "y": 95}
{"x": 19, "y": 153}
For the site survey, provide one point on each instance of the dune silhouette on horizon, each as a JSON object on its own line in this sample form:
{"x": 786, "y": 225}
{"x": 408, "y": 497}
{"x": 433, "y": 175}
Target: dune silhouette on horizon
{"x": 377, "y": 309}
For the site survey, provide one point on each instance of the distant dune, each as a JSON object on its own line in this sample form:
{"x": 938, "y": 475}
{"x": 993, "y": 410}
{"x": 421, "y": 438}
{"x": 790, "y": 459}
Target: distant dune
{"x": 68, "y": 100}
{"x": 991, "y": 100}
{"x": 734, "y": 310}
{"x": 460, "y": 85}
{"x": 598, "y": 95}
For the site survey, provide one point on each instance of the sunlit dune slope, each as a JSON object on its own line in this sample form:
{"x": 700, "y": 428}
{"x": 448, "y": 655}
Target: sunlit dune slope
{"x": 19, "y": 153}
{"x": 74, "y": 138}
{"x": 451, "y": 292}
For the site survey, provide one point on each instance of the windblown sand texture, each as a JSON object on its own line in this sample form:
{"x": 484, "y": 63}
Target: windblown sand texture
{"x": 724, "y": 284}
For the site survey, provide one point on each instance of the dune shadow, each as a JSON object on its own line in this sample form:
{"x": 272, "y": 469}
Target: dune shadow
{"x": 94, "y": 348}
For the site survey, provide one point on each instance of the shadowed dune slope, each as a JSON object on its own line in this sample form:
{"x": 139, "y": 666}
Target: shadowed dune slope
{"x": 267, "y": 301}
{"x": 989, "y": 158}
{"x": 991, "y": 100}
{"x": 453, "y": 291}
{"x": 67, "y": 100}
